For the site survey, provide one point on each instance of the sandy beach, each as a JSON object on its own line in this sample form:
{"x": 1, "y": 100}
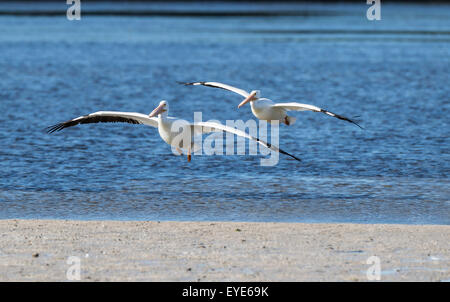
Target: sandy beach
{"x": 44, "y": 250}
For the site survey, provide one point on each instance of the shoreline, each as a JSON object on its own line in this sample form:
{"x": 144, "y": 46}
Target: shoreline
{"x": 46, "y": 250}
{"x": 113, "y": 220}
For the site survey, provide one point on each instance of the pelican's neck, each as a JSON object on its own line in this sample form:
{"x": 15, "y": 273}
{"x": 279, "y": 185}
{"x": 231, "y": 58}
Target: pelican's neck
{"x": 162, "y": 117}
{"x": 260, "y": 103}
{"x": 255, "y": 103}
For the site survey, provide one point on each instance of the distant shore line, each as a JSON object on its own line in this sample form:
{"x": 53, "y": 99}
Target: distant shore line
{"x": 111, "y": 220}
{"x": 164, "y": 13}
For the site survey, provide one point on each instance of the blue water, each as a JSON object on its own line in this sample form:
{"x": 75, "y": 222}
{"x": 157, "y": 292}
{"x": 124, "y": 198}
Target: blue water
{"x": 393, "y": 74}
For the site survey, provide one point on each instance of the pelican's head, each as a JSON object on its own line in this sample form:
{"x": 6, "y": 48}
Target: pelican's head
{"x": 254, "y": 96}
{"x": 163, "y": 109}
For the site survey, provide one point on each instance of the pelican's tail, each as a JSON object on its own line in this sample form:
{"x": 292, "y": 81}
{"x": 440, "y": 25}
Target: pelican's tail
{"x": 289, "y": 120}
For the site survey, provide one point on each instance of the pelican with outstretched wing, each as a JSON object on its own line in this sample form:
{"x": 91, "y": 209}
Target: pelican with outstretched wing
{"x": 169, "y": 132}
{"x": 267, "y": 110}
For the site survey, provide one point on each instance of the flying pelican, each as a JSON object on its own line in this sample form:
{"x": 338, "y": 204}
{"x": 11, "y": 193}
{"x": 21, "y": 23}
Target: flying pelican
{"x": 267, "y": 110}
{"x": 159, "y": 118}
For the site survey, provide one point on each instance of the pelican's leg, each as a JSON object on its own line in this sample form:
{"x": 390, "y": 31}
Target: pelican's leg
{"x": 179, "y": 151}
{"x": 189, "y": 154}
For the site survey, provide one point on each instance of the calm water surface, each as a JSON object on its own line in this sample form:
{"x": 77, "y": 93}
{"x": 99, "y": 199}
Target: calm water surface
{"x": 393, "y": 74}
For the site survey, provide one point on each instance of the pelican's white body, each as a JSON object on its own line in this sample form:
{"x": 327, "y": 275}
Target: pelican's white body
{"x": 263, "y": 110}
{"x": 164, "y": 126}
{"x": 164, "y": 129}
{"x": 178, "y": 135}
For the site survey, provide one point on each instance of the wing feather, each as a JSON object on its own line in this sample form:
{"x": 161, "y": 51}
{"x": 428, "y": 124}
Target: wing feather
{"x": 106, "y": 117}
{"x": 221, "y": 86}
{"x": 215, "y": 127}
{"x": 306, "y": 107}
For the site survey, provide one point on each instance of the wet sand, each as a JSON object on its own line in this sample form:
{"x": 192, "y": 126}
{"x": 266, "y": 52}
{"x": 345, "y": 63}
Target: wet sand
{"x": 39, "y": 250}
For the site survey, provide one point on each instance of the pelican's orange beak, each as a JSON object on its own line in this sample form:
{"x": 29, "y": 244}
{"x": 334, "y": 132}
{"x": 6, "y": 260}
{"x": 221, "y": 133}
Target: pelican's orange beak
{"x": 157, "y": 110}
{"x": 248, "y": 99}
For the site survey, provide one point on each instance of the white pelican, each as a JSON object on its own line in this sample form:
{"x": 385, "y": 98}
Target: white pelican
{"x": 159, "y": 118}
{"x": 267, "y": 110}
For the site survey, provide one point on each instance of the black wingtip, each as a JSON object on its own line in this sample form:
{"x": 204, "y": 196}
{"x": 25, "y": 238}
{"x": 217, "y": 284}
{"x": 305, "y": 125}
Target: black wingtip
{"x": 341, "y": 117}
{"x": 294, "y": 157}
{"x": 54, "y": 128}
{"x": 193, "y": 83}
{"x": 188, "y": 83}
{"x": 356, "y": 124}
{"x": 288, "y": 154}
{"x": 349, "y": 120}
